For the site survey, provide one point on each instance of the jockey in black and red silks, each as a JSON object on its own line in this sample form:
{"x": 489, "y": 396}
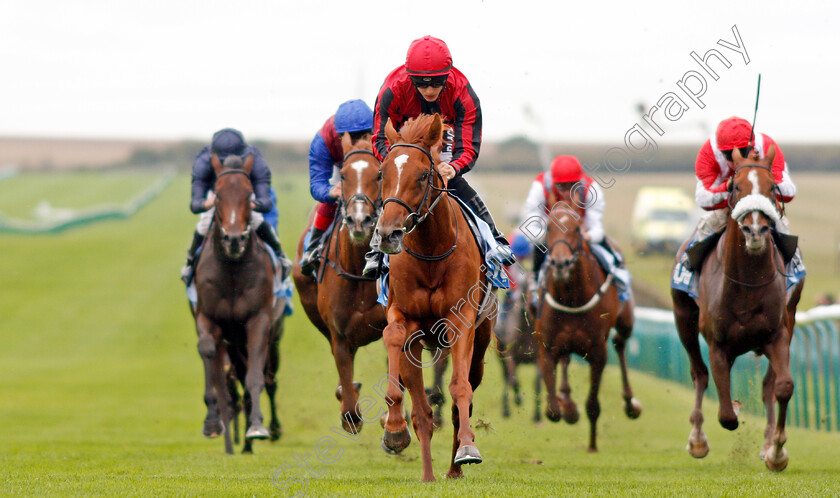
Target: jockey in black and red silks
{"x": 426, "y": 84}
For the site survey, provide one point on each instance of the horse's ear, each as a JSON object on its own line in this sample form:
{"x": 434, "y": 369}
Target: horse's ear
{"x": 249, "y": 163}
{"x": 217, "y": 165}
{"x": 771, "y": 155}
{"x": 736, "y": 156}
{"x": 435, "y": 132}
{"x": 391, "y": 134}
{"x": 346, "y": 142}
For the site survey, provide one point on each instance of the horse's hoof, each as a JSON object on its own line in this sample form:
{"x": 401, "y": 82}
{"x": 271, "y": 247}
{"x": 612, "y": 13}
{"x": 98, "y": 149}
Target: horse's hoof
{"x": 351, "y": 427}
{"x": 592, "y": 450}
{"x": 633, "y": 408}
{"x": 553, "y": 416}
{"x": 505, "y": 412}
{"x": 437, "y": 422}
{"x": 435, "y": 397}
{"x": 257, "y": 432}
{"x": 213, "y": 429}
{"x": 729, "y": 424}
{"x": 396, "y": 441}
{"x": 275, "y": 432}
{"x": 774, "y": 462}
{"x": 571, "y": 416}
{"x": 698, "y": 449}
{"x": 455, "y": 473}
{"x": 467, "y": 455}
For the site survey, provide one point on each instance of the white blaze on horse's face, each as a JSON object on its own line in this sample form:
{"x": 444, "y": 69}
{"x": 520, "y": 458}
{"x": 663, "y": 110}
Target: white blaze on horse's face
{"x": 232, "y": 217}
{"x": 359, "y": 166}
{"x": 752, "y": 176}
{"x": 399, "y": 162}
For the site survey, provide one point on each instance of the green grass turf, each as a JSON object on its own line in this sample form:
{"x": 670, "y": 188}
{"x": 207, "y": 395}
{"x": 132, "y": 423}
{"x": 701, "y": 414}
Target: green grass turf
{"x": 20, "y": 195}
{"x": 101, "y": 393}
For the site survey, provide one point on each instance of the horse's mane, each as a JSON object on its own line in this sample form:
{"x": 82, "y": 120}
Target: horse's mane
{"x": 414, "y": 130}
{"x": 362, "y": 144}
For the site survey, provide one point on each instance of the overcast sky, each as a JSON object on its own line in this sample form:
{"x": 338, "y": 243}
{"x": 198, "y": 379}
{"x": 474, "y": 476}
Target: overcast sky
{"x": 276, "y": 70}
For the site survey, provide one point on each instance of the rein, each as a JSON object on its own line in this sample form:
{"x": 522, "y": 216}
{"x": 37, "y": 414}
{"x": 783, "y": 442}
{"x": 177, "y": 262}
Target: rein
{"x": 415, "y": 216}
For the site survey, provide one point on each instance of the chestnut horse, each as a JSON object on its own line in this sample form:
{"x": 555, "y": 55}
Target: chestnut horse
{"x": 742, "y": 306}
{"x": 435, "y": 269}
{"x": 236, "y": 305}
{"x": 578, "y": 307}
{"x": 341, "y": 303}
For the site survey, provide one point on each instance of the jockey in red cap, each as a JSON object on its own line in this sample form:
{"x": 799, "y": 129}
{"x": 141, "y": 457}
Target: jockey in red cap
{"x": 714, "y": 170}
{"x": 568, "y": 180}
{"x": 427, "y": 84}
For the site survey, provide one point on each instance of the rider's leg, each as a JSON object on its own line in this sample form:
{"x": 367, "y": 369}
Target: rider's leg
{"x": 710, "y": 223}
{"x": 309, "y": 260}
{"x": 201, "y": 228}
{"x": 467, "y": 194}
{"x": 266, "y": 232}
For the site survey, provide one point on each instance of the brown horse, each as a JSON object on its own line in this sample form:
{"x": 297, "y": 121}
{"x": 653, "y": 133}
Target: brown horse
{"x": 341, "y": 303}
{"x": 517, "y": 345}
{"x": 742, "y": 306}
{"x": 236, "y": 304}
{"x": 436, "y": 291}
{"x": 578, "y": 307}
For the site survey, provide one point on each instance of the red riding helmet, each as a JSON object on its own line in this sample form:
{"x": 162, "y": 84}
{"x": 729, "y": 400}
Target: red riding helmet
{"x": 428, "y": 56}
{"x": 733, "y": 133}
{"x": 566, "y": 169}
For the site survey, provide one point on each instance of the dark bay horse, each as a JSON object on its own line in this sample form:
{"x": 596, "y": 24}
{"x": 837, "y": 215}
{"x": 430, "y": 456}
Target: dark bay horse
{"x": 437, "y": 289}
{"x": 236, "y": 311}
{"x": 341, "y": 303}
{"x": 517, "y": 345}
{"x": 742, "y": 306}
{"x": 578, "y": 307}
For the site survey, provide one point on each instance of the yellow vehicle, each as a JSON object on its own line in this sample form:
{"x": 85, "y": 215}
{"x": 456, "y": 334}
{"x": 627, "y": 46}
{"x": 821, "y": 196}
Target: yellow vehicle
{"x": 663, "y": 218}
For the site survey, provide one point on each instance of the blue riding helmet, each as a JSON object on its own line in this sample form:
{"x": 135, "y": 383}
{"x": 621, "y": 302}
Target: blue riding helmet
{"x": 520, "y": 245}
{"x": 353, "y": 115}
{"x": 226, "y": 142}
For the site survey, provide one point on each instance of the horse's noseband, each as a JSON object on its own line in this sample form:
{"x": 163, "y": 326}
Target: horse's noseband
{"x": 576, "y": 252}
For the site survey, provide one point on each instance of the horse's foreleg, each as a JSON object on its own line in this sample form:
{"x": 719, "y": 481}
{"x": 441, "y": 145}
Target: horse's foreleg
{"x": 421, "y": 410}
{"x": 272, "y": 366}
{"x": 207, "y": 351}
{"x": 597, "y": 360}
{"x": 396, "y": 437}
{"x": 778, "y": 352}
{"x": 220, "y": 385}
{"x": 343, "y": 354}
{"x": 537, "y": 393}
{"x": 568, "y": 407}
{"x": 686, "y": 315}
{"x": 768, "y": 392}
{"x": 721, "y": 366}
{"x": 461, "y": 390}
{"x": 437, "y": 398}
{"x": 505, "y": 385}
{"x": 547, "y": 361}
{"x": 257, "y": 330}
{"x": 632, "y": 406}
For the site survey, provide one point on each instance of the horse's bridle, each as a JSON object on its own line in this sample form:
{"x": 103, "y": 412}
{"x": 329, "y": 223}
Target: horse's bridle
{"x": 576, "y": 251}
{"x": 216, "y": 213}
{"x": 730, "y": 201}
{"x": 414, "y": 214}
{"x": 360, "y": 196}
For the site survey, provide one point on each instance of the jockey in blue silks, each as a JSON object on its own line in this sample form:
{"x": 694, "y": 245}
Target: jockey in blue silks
{"x": 228, "y": 142}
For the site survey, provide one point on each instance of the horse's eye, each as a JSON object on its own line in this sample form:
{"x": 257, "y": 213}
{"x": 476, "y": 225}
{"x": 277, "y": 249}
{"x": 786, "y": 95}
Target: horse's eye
{"x": 379, "y": 176}
{"x": 424, "y": 177}
{"x": 341, "y": 176}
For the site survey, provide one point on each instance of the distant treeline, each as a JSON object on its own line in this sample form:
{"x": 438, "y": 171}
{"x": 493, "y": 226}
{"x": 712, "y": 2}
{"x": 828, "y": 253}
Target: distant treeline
{"x": 517, "y": 154}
